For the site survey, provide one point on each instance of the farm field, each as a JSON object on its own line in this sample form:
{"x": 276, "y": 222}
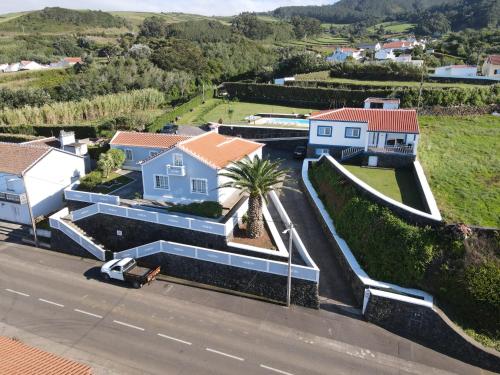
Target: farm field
{"x": 215, "y": 109}
{"x": 34, "y": 79}
{"x": 461, "y": 159}
{"x": 393, "y": 27}
{"x": 136, "y": 18}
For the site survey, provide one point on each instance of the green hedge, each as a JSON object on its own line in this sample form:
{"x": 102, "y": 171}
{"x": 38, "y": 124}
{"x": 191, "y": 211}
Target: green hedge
{"x": 205, "y": 209}
{"x": 462, "y": 273}
{"x": 16, "y": 138}
{"x": 353, "y": 97}
{"x": 392, "y": 71}
{"x": 170, "y": 117}
{"x": 81, "y": 131}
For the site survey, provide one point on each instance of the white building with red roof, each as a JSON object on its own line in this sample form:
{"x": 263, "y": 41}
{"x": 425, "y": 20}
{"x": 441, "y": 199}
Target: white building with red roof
{"x": 458, "y": 71}
{"x": 491, "y": 66}
{"x": 342, "y": 53}
{"x": 348, "y": 131}
{"x": 189, "y": 170}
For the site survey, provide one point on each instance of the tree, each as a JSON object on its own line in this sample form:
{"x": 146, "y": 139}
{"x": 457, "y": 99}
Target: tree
{"x": 105, "y": 164}
{"x": 255, "y": 177}
{"x": 118, "y": 157}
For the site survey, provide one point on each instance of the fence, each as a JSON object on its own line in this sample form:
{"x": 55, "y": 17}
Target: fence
{"x": 83, "y": 196}
{"x": 220, "y": 257}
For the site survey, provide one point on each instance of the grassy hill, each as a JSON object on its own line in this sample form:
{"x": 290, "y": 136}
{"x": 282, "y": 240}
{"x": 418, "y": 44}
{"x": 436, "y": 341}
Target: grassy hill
{"x": 136, "y": 18}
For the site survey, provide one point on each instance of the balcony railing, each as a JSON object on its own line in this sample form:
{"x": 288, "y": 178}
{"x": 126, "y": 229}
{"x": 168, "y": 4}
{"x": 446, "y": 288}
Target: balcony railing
{"x": 13, "y": 197}
{"x": 403, "y": 149}
{"x": 176, "y": 170}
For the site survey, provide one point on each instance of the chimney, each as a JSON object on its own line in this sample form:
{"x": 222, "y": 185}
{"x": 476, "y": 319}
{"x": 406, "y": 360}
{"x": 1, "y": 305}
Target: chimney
{"x": 66, "y": 138}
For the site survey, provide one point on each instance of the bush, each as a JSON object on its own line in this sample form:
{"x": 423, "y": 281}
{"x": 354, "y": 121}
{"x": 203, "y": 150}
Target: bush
{"x": 90, "y": 181}
{"x": 205, "y": 209}
{"x": 390, "y": 71}
{"x": 118, "y": 157}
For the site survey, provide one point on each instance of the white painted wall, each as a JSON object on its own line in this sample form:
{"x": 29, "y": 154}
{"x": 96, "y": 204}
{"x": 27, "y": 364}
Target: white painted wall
{"x": 46, "y": 180}
{"x": 456, "y": 72}
{"x": 338, "y": 133}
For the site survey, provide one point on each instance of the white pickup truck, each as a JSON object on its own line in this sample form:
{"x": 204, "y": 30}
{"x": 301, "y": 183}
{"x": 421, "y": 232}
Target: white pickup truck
{"x": 127, "y": 270}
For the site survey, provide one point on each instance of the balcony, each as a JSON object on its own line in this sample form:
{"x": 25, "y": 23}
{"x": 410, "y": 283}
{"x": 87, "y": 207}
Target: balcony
{"x": 402, "y": 149}
{"x": 13, "y": 197}
{"x": 176, "y": 170}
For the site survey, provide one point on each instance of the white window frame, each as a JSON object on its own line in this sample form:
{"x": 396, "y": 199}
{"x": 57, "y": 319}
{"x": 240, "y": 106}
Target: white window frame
{"x": 198, "y": 192}
{"x": 324, "y": 131}
{"x": 174, "y": 159}
{"x": 161, "y": 176}
{"x": 129, "y": 150}
{"x": 352, "y": 130}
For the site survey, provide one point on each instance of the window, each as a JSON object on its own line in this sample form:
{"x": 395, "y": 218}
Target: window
{"x": 324, "y": 131}
{"x": 129, "y": 155}
{"x": 177, "y": 160}
{"x": 161, "y": 182}
{"x": 352, "y": 132}
{"x": 199, "y": 186}
{"x": 321, "y": 151}
{"x": 497, "y": 71}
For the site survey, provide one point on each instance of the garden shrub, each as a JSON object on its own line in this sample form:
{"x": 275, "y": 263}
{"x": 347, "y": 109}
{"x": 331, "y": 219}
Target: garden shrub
{"x": 209, "y": 209}
{"x": 90, "y": 181}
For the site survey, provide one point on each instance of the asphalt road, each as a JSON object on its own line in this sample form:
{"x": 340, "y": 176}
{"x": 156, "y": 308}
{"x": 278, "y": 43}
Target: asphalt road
{"x": 56, "y": 302}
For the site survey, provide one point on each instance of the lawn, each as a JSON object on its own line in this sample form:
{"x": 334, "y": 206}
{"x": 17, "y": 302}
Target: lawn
{"x": 113, "y": 182}
{"x": 398, "y": 184}
{"x": 461, "y": 158}
{"x": 235, "y": 112}
{"x": 393, "y": 27}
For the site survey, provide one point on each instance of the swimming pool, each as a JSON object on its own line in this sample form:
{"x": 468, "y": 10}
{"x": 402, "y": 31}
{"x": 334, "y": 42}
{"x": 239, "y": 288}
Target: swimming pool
{"x": 284, "y": 121}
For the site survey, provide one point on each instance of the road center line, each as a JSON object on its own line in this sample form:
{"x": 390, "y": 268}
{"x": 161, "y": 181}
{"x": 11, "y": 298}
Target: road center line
{"x": 88, "y": 313}
{"x": 50, "y": 302}
{"x": 224, "y": 354}
{"x": 174, "y": 339}
{"x": 276, "y": 370}
{"x": 128, "y": 325}
{"x": 16, "y": 292}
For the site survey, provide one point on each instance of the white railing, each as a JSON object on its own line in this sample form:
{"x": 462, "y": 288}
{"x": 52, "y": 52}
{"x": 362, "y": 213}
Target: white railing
{"x": 57, "y": 223}
{"x": 351, "y": 151}
{"x": 84, "y": 196}
{"x": 176, "y": 170}
{"x": 416, "y": 295}
{"x": 13, "y": 197}
{"x": 221, "y": 257}
{"x": 392, "y": 149}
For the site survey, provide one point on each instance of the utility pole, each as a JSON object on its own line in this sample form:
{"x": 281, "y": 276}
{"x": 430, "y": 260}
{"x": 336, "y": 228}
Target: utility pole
{"x": 290, "y": 249}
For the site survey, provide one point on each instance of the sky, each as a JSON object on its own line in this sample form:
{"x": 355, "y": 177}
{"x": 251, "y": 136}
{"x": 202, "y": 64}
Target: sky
{"x": 205, "y": 7}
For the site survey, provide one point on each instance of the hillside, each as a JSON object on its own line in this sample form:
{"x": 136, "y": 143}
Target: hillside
{"x": 52, "y": 20}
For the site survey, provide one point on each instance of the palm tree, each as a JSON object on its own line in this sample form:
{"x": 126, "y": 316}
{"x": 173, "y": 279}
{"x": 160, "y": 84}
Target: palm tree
{"x": 255, "y": 177}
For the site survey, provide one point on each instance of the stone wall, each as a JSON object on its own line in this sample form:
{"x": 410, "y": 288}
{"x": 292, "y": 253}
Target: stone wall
{"x": 390, "y": 160}
{"x": 262, "y": 284}
{"x": 63, "y": 244}
{"x": 256, "y": 132}
{"x": 104, "y": 228}
{"x": 429, "y": 327}
{"x": 335, "y": 151}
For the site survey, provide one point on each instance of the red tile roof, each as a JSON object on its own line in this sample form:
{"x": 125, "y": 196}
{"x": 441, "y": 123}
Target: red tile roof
{"x": 73, "y": 59}
{"x": 16, "y": 158}
{"x": 218, "y": 150}
{"x": 19, "y": 358}
{"x": 493, "y": 59}
{"x": 387, "y": 120}
{"x": 396, "y": 45}
{"x": 152, "y": 140}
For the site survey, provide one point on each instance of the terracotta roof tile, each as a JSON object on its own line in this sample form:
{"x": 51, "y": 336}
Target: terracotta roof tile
{"x": 73, "y": 59}
{"x": 218, "y": 150}
{"x": 388, "y": 120}
{"x": 395, "y": 45}
{"x": 494, "y": 59}
{"x": 16, "y": 158}
{"x": 153, "y": 140}
{"x": 19, "y": 358}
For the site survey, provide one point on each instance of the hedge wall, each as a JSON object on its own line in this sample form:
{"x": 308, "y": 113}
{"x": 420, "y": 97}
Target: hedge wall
{"x": 461, "y": 271}
{"x": 81, "y": 131}
{"x": 16, "y": 138}
{"x": 353, "y": 97}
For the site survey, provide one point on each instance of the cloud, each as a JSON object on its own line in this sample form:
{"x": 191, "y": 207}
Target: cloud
{"x": 206, "y": 7}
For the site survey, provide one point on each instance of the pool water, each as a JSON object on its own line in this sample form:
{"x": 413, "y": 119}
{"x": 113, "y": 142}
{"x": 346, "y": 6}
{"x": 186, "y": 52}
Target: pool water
{"x": 284, "y": 120}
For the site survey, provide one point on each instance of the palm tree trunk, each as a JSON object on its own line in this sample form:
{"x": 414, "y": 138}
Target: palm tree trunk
{"x": 255, "y": 226}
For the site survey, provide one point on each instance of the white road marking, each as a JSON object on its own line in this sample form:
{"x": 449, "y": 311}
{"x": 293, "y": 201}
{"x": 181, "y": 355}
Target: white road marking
{"x": 175, "y": 339}
{"x": 16, "y": 292}
{"x": 276, "y": 370}
{"x": 88, "y": 313}
{"x": 128, "y": 325}
{"x": 50, "y": 302}
{"x": 224, "y": 354}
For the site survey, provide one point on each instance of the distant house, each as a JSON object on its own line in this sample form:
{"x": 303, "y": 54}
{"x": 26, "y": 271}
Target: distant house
{"x": 342, "y": 53}
{"x": 382, "y": 103}
{"x": 400, "y": 45}
{"x": 283, "y": 81}
{"x": 140, "y": 146}
{"x": 12, "y": 68}
{"x": 370, "y": 46}
{"x": 456, "y": 71}
{"x": 385, "y": 54}
{"x": 189, "y": 170}
{"x": 491, "y": 66}
{"x": 3, "y": 67}
{"x": 66, "y": 62}
{"x": 403, "y": 58}
{"x": 34, "y": 177}
{"x": 383, "y": 133}
{"x": 30, "y": 65}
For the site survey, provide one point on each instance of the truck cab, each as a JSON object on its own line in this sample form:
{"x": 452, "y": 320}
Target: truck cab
{"x": 126, "y": 269}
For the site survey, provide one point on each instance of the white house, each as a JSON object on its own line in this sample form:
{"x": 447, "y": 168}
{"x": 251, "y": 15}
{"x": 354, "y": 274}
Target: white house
{"x": 283, "y": 81}
{"x": 385, "y": 54}
{"x": 30, "y": 65}
{"x": 372, "y": 131}
{"x": 491, "y": 66}
{"x": 370, "y": 46}
{"x": 140, "y": 146}
{"x": 381, "y": 103}
{"x": 399, "y": 45}
{"x": 342, "y": 53}
{"x": 12, "y": 68}
{"x": 3, "y": 67}
{"x": 32, "y": 178}
{"x": 189, "y": 171}
{"x": 456, "y": 71}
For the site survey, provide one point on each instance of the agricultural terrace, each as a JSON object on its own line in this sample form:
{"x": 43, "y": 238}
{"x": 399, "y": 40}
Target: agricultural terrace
{"x": 461, "y": 158}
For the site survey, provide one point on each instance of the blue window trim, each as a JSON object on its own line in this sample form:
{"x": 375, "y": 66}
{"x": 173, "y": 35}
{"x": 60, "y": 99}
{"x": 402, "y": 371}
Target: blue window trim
{"x": 324, "y": 126}
{"x": 351, "y": 127}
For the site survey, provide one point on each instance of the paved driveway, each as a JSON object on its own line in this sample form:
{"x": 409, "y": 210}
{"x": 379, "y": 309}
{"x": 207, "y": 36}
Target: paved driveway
{"x": 333, "y": 287}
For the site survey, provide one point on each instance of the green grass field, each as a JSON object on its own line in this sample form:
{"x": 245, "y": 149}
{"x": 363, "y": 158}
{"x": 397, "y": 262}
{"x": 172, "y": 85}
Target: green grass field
{"x": 461, "y": 158}
{"x": 398, "y": 184}
{"x": 215, "y": 109}
{"x": 35, "y": 79}
{"x": 393, "y": 27}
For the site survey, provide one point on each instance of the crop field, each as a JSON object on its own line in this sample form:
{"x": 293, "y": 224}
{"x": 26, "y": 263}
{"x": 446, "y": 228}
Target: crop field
{"x": 45, "y": 79}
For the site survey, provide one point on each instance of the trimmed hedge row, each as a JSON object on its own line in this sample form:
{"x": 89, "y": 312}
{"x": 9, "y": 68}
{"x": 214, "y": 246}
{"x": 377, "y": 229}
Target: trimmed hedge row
{"x": 348, "y": 97}
{"x": 16, "y": 138}
{"x": 81, "y": 131}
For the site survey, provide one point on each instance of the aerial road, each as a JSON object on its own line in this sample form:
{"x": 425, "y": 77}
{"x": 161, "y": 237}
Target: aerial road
{"x": 58, "y": 303}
